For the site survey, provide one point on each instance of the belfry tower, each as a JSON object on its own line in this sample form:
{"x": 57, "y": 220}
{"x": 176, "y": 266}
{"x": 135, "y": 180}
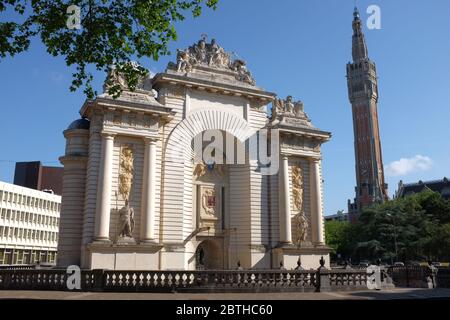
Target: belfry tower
{"x": 363, "y": 94}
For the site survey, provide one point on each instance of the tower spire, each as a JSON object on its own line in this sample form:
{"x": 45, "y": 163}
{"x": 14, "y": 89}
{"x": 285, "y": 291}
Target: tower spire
{"x": 359, "y": 47}
{"x": 363, "y": 94}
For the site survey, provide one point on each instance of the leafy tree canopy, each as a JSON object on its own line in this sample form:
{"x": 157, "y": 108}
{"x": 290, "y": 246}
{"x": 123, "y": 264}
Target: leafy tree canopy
{"x": 416, "y": 227}
{"x": 107, "y": 32}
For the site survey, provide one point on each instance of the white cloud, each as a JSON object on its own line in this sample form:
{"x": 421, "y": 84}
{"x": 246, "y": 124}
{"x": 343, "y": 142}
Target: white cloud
{"x": 406, "y": 166}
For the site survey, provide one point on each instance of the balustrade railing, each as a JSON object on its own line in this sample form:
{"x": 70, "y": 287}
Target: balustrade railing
{"x": 184, "y": 281}
{"x": 348, "y": 279}
{"x": 219, "y": 280}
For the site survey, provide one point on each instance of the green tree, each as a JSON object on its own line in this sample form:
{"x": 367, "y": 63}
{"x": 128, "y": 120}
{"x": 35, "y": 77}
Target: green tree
{"x": 338, "y": 236}
{"x": 110, "y": 32}
{"x": 411, "y": 228}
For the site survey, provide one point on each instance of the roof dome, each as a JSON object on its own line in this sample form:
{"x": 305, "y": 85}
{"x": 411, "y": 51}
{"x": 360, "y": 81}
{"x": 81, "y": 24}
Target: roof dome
{"x": 83, "y": 124}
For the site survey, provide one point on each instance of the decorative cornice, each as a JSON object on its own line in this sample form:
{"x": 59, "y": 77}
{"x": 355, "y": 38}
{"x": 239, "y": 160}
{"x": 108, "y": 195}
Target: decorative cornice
{"x": 117, "y": 248}
{"x": 260, "y": 97}
{"x": 110, "y": 104}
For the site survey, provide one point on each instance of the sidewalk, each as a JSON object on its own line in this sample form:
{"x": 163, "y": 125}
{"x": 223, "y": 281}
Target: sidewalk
{"x": 355, "y": 295}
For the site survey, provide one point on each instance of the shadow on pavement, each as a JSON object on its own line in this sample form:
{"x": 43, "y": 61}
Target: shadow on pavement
{"x": 403, "y": 294}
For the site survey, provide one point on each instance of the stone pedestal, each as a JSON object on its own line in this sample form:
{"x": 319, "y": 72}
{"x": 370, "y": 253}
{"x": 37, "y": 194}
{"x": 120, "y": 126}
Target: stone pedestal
{"x": 126, "y": 241}
{"x": 125, "y": 255}
{"x": 308, "y": 254}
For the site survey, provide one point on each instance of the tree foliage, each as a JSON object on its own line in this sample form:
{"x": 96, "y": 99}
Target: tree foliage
{"x": 110, "y": 31}
{"x": 413, "y": 228}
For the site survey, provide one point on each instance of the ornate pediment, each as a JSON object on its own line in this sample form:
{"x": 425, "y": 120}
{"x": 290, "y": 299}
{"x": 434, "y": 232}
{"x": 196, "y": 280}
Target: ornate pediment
{"x": 292, "y": 111}
{"x": 213, "y": 56}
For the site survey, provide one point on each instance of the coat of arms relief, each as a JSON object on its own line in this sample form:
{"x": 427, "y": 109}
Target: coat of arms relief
{"x": 209, "y": 206}
{"x": 209, "y": 202}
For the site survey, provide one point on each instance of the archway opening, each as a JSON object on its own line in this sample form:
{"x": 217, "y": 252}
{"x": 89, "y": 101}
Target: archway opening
{"x": 209, "y": 256}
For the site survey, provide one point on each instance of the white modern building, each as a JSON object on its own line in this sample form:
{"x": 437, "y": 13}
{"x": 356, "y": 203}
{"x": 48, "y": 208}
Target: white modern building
{"x": 29, "y": 223}
{"x": 138, "y": 193}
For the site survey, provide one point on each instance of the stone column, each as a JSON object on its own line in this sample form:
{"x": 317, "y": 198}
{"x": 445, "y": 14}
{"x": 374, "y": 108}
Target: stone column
{"x": 285, "y": 203}
{"x": 103, "y": 211}
{"x": 149, "y": 192}
{"x": 316, "y": 201}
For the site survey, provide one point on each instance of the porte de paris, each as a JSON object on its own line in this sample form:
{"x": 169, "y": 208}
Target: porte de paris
{"x": 170, "y": 176}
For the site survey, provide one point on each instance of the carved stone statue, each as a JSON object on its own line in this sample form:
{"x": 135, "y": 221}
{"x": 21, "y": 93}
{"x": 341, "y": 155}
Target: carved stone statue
{"x": 289, "y": 105}
{"x": 126, "y": 219}
{"x": 200, "y": 170}
{"x": 183, "y": 61}
{"x": 290, "y": 109}
{"x": 211, "y": 55}
{"x": 126, "y": 172}
{"x": 243, "y": 74}
{"x": 298, "y": 109}
{"x": 301, "y": 228}
{"x": 218, "y": 56}
{"x": 116, "y": 77}
{"x": 297, "y": 188}
{"x": 200, "y": 51}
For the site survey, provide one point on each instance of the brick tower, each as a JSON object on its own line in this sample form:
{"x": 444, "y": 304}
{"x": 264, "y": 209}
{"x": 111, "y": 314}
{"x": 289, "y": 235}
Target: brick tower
{"x": 363, "y": 94}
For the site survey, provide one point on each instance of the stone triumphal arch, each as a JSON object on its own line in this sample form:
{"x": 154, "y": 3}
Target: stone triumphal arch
{"x": 138, "y": 193}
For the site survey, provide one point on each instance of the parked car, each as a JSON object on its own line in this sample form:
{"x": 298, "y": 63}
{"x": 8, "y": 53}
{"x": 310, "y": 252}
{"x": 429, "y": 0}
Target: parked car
{"x": 364, "y": 263}
{"x": 436, "y": 264}
{"x": 399, "y": 264}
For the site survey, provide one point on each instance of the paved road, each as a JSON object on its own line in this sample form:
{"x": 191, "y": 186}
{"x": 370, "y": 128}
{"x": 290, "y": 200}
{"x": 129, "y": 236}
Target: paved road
{"x": 359, "y": 295}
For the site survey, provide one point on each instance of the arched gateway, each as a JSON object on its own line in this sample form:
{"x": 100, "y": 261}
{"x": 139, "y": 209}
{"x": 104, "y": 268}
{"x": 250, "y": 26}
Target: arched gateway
{"x": 139, "y": 195}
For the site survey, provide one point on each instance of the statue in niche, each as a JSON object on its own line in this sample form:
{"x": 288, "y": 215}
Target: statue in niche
{"x": 297, "y": 188}
{"x": 300, "y": 220}
{"x": 126, "y": 219}
{"x": 301, "y": 228}
{"x": 126, "y": 172}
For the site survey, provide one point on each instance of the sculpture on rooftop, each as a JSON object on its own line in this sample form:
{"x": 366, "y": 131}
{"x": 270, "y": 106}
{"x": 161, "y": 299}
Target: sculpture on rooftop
{"x": 211, "y": 55}
{"x": 289, "y": 108}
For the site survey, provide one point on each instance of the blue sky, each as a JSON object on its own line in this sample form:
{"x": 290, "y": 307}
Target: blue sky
{"x": 292, "y": 47}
